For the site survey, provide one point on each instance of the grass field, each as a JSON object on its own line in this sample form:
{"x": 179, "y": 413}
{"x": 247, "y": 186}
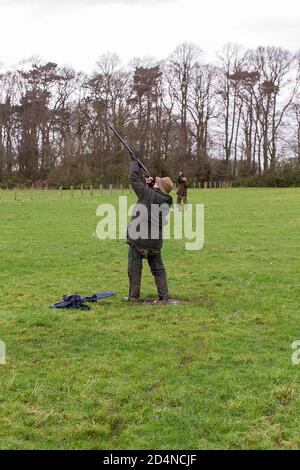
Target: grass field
{"x": 214, "y": 373}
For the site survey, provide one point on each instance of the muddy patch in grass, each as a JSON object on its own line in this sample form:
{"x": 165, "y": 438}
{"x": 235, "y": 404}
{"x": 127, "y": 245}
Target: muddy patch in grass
{"x": 163, "y": 302}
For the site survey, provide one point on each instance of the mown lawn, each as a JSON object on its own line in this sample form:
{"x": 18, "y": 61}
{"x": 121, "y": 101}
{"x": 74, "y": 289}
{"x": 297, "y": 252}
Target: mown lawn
{"x": 213, "y": 373}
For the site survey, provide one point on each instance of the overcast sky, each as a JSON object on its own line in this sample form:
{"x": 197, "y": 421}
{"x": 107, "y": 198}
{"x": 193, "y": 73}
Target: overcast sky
{"x": 77, "y": 32}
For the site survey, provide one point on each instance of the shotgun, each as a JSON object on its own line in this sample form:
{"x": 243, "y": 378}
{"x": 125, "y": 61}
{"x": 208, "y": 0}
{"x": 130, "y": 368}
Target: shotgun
{"x": 131, "y": 152}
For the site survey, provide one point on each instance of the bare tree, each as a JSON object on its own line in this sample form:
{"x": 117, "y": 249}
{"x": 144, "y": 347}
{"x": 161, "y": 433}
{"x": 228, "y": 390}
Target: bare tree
{"x": 272, "y": 99}
{"x": 182, "y": 63}
{"x": 202, "y": 108}
{"x": 231, "y": 62}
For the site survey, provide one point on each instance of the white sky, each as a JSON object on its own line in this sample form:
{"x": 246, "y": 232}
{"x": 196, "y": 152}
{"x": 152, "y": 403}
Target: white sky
{"x": 77, "y": 32}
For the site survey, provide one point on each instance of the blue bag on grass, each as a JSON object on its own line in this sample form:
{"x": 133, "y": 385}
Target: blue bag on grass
{"x": 77, "y": 301}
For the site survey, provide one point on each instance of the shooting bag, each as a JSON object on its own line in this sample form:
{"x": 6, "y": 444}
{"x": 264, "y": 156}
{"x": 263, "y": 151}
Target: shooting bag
{"x": 77, "y": 301}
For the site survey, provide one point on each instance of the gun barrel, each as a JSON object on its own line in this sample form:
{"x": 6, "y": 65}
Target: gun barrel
{"x": 123, "y": 142}
{"x": 131, "y": 152}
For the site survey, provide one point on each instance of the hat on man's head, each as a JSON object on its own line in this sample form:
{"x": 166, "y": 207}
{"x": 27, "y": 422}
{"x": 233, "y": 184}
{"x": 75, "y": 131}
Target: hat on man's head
{"x": 164, "y": 184}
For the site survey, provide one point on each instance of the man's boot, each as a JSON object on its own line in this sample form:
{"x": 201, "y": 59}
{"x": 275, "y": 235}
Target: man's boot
{"x": 162, "y": 287}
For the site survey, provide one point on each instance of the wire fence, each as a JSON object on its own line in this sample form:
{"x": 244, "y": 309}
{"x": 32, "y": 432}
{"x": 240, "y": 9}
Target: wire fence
{"x": 119, "y": 186}
{"x": 18, "y": 190}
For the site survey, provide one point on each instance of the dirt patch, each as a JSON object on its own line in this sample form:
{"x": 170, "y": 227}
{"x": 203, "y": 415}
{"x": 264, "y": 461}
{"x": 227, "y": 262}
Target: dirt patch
{"x": 163, "y": 302}
{"x": 185, "y": 361}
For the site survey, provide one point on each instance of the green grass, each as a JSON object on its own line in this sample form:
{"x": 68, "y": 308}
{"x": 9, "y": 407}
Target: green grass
{"x": 214, "y": 373}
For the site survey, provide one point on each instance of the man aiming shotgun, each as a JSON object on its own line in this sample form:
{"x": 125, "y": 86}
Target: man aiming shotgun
{"x": 145, "y": 231}
{"x": 182, "y": 190}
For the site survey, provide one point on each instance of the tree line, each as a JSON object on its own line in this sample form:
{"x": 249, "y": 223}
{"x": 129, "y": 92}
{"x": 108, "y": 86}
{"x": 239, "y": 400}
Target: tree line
{"x": 236, "y": 118}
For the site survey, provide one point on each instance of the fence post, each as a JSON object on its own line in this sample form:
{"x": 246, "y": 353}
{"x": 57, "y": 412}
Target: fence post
{"x": 60, "y": 191}
{"x": 81, "y": 189}
{"x": 205, "y": 185}
{"x": 110, "y": 188}
{"x": 72, "y": 191}
{"x": 91, "y": 190}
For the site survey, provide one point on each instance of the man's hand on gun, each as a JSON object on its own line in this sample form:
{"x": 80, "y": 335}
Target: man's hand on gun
{"x": 182, "y": 176}
{"x": 149, "y": 181}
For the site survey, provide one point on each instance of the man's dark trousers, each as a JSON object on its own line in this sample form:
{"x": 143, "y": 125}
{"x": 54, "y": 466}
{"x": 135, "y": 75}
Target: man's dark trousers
{"x": 135, "y": 266}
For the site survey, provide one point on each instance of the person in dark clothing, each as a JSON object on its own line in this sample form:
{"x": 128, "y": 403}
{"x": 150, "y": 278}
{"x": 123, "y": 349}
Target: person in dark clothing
{"x": 145, "y": 231}
{"x": 182, "y": 190}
